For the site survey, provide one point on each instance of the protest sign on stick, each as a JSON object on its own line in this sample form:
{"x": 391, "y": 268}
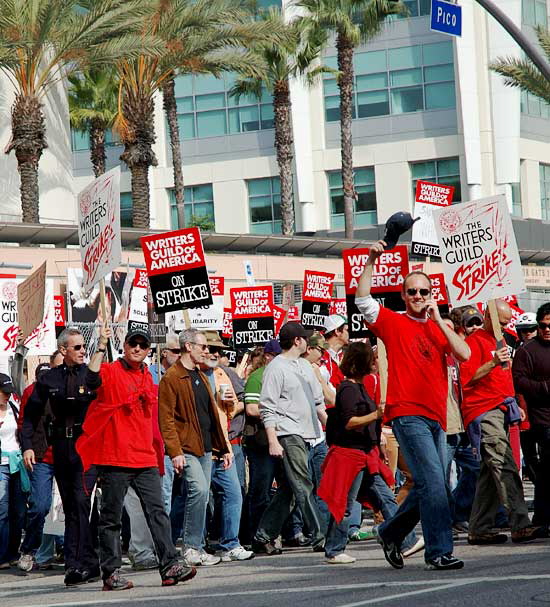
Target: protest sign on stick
{"x": 177, "y": 271}
{"x": 210, "y": 317}
{"x": 252, "y": 310}
{"x": 428, "y": 196}
{"x": 30, "y": 301}
{"x": 316, "y": 297}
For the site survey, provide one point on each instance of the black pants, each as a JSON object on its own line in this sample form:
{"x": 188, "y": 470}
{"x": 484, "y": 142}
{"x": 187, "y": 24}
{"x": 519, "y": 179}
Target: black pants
{"x": 146, "y": 483}
{"x": 75, "y": 488}
{"x": 542, "y": 480}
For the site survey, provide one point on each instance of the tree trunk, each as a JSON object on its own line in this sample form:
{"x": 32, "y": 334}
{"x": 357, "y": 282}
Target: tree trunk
{"x": 171, "y": 111}
{"x": 29, "y": 141}
{"x": 283, "y": 145}
{"x": 345, "y": 84}
{"x": 138, "y": 154}
{"x": 97, "y": 147}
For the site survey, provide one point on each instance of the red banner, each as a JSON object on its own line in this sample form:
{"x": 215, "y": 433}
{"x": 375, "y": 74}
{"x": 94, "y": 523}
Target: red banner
{"x": 389, "y": 270}
{"x": 339, "y": 306}
{"x": 227, "y": 331}
{"x": 317, "y": 286}
{"x": 293, "y": 314}
{"x": 140, "y": 279}
{"x": 59, "y": 308}
{"x": 251, "y": 302}
{"x": 217, "y": 285}
{"x": 279, "y": 316}
{"x": 439, "y": 290}
{"x": 434, "y": 193}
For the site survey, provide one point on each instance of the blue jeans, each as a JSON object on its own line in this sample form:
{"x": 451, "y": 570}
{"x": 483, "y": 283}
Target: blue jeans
{"x": 46, "y": 552}
{"x": 167, "y": 482}
{"x": 261, "y": 469}
{"x": 240, "y": 466}
{"x": 12, "y": 514}
{"x": 40, "y": 501}
{"x": 356, "y": 518}
{"x": 424, "y": 447}
{"x": 467, "y": 467}
{"x": 229, "y": 498}
{"x": 190, "y": 500}
{"x": 316, "y": 458}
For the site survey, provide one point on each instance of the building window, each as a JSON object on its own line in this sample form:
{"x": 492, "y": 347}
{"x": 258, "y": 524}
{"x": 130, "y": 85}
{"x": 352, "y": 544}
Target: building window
{"x": 534, "y": 12}
{"x": 365, "y": 205}
{"x": 198, "y": 206}
{"x": 397, "y": 81}
{"x": 80, "y": 140}
{"x": 205, "y": 109}
{"x": 264, "y": 201}
{"x": 544, "y": 172}
{"x": 126, "y": 205}
{"x": 534, "y": 106}
{"x": 445, "y": 171}
{"x": 516, "y": 199}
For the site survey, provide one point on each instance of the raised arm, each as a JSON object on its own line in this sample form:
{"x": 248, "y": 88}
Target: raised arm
{"x": 365, "y": 280}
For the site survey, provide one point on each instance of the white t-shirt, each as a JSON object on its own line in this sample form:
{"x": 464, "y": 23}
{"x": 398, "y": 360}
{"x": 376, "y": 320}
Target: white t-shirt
{"x": 8, "y": 434}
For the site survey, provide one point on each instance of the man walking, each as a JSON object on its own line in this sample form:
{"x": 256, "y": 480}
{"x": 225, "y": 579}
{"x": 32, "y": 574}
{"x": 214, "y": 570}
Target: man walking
{"x": 118, "y": 438}
{"x": 291, "y": 402}
{"x": 416, "y": 344}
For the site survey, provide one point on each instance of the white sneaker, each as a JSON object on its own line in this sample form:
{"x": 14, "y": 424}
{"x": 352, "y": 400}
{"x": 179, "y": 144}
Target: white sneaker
{"x": 340, "y": 559}
{"x": 192, "y": 557}
{"x": 208, "y": 559}
{"x": 26, "y": 562}
{"x": 237, "y": 554}
{"x": 414, "y": 549}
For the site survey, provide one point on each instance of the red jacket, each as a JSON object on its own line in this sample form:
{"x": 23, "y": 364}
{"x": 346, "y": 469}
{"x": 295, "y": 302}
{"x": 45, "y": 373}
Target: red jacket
{"x": 119, "y": 426}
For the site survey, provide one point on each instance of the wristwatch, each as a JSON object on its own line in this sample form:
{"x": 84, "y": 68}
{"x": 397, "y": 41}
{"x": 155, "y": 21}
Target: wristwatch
{"x": 102, "y": 349}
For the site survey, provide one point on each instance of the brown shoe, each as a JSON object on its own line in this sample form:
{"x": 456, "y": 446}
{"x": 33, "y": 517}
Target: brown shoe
{"x": 486, "y": 539}
{"x": 528, "y": 534}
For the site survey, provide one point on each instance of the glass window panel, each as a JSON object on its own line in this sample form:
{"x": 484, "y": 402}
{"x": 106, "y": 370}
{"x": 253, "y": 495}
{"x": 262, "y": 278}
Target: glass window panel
{"x": 544, "y": 110}
{"x": 203, "y": 193}
{"x": 229, "y": 80}
{"x": 523, "y": 102}
{"x": 186, "y": 123}
{"x": 188, "y": 213}
{"x": 332, "y": 109}
{"x": 439, "y": 73}
{"x": 528, "y": 12}
{"x": 367, "y": 63}
{"x": 366, "y": 200}
{"x": 250, "y": 118}
{"x": 275, "y": 185}
{"x": 407, "y": 100}
{"x": 412, "y": 6}
{"x": 234, "y": 121}
{"x": 533, "y": 105}
{"x": 440, "y": 52}
{"x": 261, "y": 228}
{"x": 184, "y": 104}
{"x": 449, "y": 166}
{"x": 540, "y": 13}
{"x": 259, "y": 187}
{"x": 404, "y": 57}
{"x": 372, "y": 82}
{"x": 337, "y": 203}
{"x": 425, "y": 7}
{"x": 242, "y": 100}
{"x": 211, "y": 124}
{"x": 330, "y": 86}
{"x": 260, "y": 209}
{"x": 183, "y": 85}
{"x": 406, "y": 77}
{"x": 423, "y": 170}
{"x": 364, "y": 176}
{"x": 276, "y": 210}
{"x": 266, "y": 96}
{"x": 440, "y": 96}
{"x": 335, "y": 179}
{"x": 204, "y": 209}
{"x": 376, "y": 103}
{"x": 267, "y": 116}
{"x": 126, "y": 209}
{"x": 80, "y": 140}
{"x": 206, "y": 83}
{"x": 210, "y": 102}
{"x": 331, "y": 62}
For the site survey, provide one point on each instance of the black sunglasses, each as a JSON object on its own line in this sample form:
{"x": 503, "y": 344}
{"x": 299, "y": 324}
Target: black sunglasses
{"x": 474, "y": 322}
{"x": 423, "y": 292}
{"x": 141, "y": 344}
{"x": 544, "y": 325}
{"x": 174, "y": 350}
{"x": 77, "y": 347}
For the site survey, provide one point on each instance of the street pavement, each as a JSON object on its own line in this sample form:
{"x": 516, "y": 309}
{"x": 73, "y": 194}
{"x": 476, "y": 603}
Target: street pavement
{"x": 508, "y": 575}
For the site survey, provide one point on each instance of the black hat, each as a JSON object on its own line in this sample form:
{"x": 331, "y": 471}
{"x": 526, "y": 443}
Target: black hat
{"x": 397, "y": 224}
{"x": 290, "y": 330}
{"x": 6, "y": 385}
{"x": 138, "y": 329}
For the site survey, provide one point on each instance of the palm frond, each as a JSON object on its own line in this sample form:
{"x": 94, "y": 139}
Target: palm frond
{"x": 521, "y": 73}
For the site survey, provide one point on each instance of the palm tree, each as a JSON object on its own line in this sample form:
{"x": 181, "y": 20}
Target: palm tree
{"x": 294, "y": 56}
{"x": 522, "y": 73}
{"x": 43, "y": 41}
{"x": 354, "y": 22}
{"x": 202, "y": 36}
{"x": 93, "y": 96}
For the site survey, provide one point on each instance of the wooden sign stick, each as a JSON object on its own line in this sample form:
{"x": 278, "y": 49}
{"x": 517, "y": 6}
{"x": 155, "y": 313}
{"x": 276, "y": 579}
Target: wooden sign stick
{"x": 103, "y": 304}
{"x": 497, "y": 329}
{"x": 382, "y": 370}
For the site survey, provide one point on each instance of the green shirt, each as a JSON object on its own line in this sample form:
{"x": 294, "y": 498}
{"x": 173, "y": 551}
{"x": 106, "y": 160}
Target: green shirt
{"x": 253, "y": 387}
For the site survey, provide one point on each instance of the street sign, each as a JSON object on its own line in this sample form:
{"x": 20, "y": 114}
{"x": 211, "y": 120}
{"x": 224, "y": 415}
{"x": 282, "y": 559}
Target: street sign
{"x": 446, "y": 18}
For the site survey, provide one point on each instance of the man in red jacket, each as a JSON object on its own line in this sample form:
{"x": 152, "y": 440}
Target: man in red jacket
{"x": 118, "y": 438}
{"x": 487, "y": 407}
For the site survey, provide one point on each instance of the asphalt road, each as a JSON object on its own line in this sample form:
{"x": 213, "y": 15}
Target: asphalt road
{"x": 497, "y": 576}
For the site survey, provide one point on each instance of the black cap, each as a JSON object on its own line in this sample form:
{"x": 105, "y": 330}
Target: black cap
{"x": 6, "y": 385}
{"x": 290, "y": 330}
{"x": 138, "y": 329}
{"x": 397, "y": 224}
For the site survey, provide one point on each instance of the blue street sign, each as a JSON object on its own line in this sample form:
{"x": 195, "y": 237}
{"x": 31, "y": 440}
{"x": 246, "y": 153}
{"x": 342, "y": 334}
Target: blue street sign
{"x": 446, "y": 18}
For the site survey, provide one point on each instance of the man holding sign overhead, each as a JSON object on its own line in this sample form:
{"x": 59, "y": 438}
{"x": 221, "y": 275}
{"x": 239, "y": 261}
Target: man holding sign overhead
{"x": 417, "y": 343}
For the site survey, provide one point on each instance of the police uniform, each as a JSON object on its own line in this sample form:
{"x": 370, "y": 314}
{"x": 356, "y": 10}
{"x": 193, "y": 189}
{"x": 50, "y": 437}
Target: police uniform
{"x": 69, "y": 391}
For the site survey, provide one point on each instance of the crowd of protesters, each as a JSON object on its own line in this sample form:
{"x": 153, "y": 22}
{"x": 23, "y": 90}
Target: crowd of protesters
{"x": 191, "y": 462}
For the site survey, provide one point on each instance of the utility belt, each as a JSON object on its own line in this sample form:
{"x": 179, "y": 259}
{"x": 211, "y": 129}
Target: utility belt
{"x": 55, "y": 432}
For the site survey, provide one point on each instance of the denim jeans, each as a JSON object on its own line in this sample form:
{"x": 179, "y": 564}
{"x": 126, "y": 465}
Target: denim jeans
{"x": 167, "y": 481}
{"x": 190, "y": 500}
{"x": 261, "y": 471}
{"x": 422, "y": 442}
{"x": 39, "y": 504}
{"x": 141, "y": 548}
{"x": 355, "y": 518}
{"x": 295, "y": 485}
{"x": 50, "y": 543}
{"x": 467, "y": 467}
{"x": 240, "y": 466}
{"x": 12, "y": 514}
{"x": 229, "y": 499}
{"x": 316, "y": 458}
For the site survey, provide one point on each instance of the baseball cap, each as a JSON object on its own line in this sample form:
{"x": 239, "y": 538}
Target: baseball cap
{"x": 6, "y": 385}
{"x": 317, "y": 341}
{"x": 397, "y": 224}
{"x": 273, "y": 347}
{"x": 213, "y": 339}
{"x": 527, "y": 320}
{"x": 292, "y": 329}
{"x": 138, "y": 329}
{"x": 469, "y": 314}
{"x": 334, "y": 321}
{"x": 41, "y": 368}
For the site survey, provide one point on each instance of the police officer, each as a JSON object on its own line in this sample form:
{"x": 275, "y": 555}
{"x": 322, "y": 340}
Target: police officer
{"x": 69, "y": 391}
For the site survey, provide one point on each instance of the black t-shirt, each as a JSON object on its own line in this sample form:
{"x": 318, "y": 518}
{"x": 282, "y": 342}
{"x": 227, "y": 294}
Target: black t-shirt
{"x": 202, "y": 404}
{"x": 352, "y": 400}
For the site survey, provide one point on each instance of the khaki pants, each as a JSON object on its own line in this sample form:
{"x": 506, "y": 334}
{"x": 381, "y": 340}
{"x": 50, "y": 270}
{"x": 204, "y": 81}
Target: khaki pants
{"x": 499, "y": 481}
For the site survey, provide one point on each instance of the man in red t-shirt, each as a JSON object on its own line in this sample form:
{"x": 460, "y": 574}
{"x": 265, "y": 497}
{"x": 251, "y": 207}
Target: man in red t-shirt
{"x": 487, "y": 405}
{"x": 118, "y": 438}
{"x": 416, "y": 343}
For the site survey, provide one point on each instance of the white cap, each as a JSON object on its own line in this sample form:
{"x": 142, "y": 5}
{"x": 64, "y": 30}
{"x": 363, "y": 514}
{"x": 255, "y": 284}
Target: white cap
{"x": 527, "y": 319}
{"x": 333, "y": 322}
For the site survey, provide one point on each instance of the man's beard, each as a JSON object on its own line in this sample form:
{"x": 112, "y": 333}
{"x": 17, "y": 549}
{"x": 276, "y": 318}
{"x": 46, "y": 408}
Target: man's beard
{"x": 211, "y": 364}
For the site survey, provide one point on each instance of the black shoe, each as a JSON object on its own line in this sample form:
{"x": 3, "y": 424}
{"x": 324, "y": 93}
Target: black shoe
{"x": 441, "y": 563}
{"x": 91, "y": 575}
{"x": 319, "y": 547}
{"x": 297, "y": 542}
{"x": 116, "y": 582}
{"x": 267, "y": 548}
{"x": 486, "y": 539}
{"x": 76, "y": 577}
{"x": 392, "y": 553}
{"x": 178, "y": 573}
